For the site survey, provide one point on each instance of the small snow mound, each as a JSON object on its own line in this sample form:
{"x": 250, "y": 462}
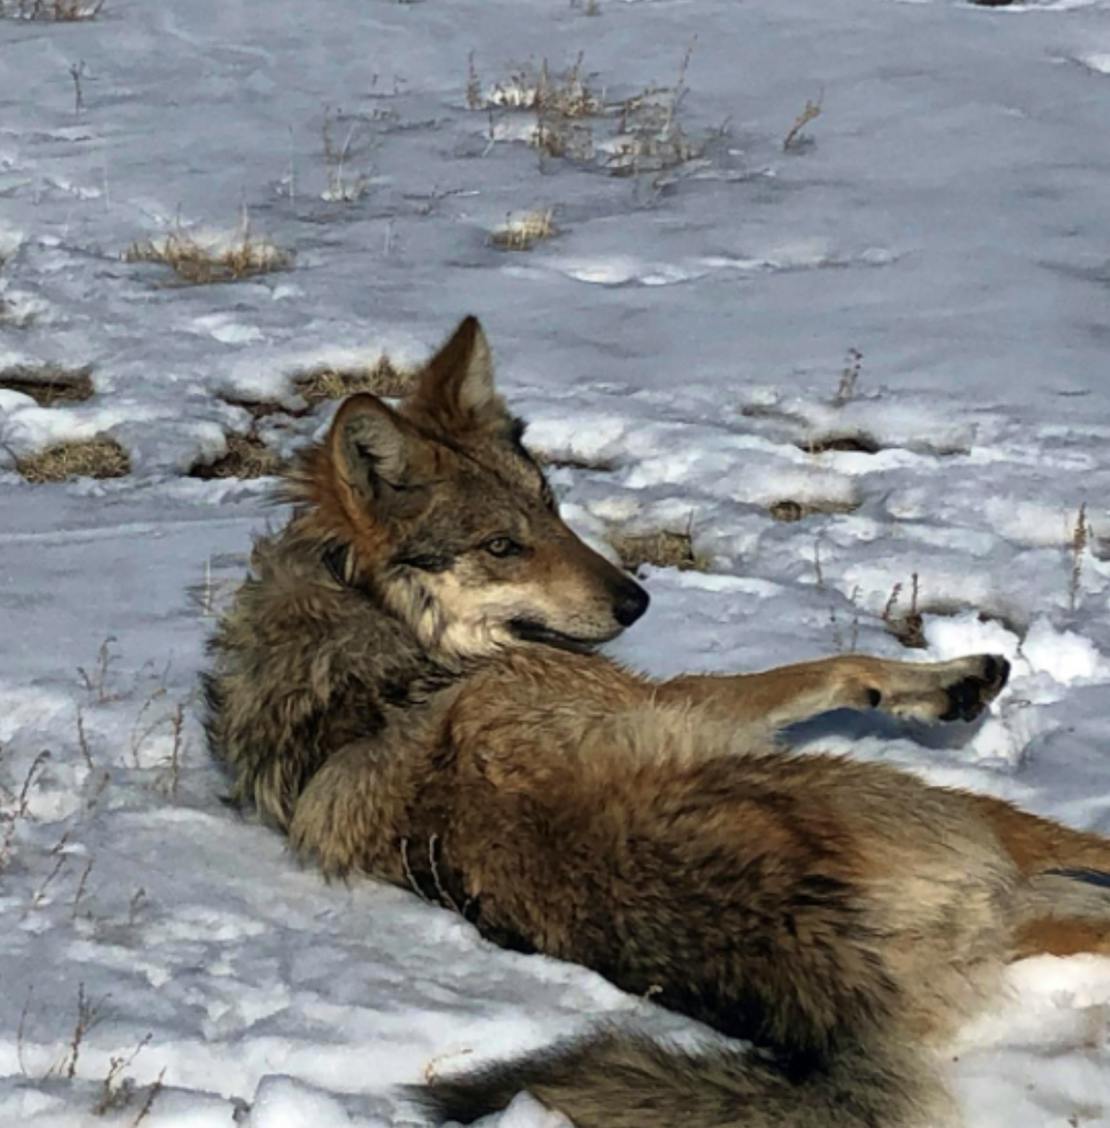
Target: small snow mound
{"x": 1064, "y": 655}
{"x": 1098, "y": 62}
{"x": 526, "y": 1112}
{"x": 953, "y": 636}
{"x": 10, "y": 242}
{"x": 282, "y": 1102}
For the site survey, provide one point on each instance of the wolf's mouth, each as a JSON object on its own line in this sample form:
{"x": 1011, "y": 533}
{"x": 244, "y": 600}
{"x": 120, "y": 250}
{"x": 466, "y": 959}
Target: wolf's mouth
{"x": 530, "y": 631}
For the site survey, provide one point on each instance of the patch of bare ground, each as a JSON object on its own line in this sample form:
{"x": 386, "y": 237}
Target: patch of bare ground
{"x": 100, "y": 457}
{"x": 49, "y": 384}
{"x": 788, "y": 510}
{"x": 555, "y": 462}
{"x": 381, "y": 378}
{"x": 856, "y": 441}
{"x": 51, "y": 11}
{"x": 663, "y": 549}
{"x": 263, "y": 409}
{"x": 200, "y": 263}
{"x": 247, "y": 457}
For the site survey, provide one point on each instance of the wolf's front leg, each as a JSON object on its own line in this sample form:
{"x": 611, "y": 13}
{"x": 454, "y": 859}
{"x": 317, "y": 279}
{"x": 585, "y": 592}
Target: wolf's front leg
{"x": 926, "y": 691}
{"x": 352, "y": 814}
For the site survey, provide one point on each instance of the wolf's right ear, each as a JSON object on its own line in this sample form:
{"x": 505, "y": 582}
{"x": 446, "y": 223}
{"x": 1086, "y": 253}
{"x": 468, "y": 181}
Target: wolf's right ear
{"x": 377, "y": 454}
{"x": 455, "y": 392}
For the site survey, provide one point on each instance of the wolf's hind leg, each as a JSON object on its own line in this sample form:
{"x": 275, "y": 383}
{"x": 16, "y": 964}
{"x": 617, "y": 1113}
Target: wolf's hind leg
{"x": 1067, "y": 912}
{"x": 928, "y": 691}
{"x": 1036, "y": 844}
{"x": 1067, "y": 906}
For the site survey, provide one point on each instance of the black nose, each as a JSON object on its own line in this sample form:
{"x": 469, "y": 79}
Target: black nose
{"x": 629, "y": 603}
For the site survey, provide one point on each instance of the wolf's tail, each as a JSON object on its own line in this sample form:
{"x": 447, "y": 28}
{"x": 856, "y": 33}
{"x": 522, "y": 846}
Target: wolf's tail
{"x": 613, "y": 1079}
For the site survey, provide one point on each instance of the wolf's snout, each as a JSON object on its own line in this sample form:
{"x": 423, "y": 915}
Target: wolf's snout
{"x": 630, "y": 601}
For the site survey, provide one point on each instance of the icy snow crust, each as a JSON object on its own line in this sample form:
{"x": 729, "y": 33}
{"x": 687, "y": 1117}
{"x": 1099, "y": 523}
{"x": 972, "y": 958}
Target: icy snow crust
{"x": 678, "y": 347}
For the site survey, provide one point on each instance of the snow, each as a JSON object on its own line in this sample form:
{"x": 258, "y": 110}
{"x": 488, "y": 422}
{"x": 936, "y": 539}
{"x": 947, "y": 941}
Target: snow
{"x": 679, "y": 347}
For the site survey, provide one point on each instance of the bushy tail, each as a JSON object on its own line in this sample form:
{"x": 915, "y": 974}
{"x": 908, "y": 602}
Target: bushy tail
{"x": 620, "y": 1080}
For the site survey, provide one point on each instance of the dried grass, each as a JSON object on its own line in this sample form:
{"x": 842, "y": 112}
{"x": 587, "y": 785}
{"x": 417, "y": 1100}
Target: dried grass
{"x": 796, "y": 137}
{"x": 51, "y": 11}
{"x": 788, "y": 510}
{"x": 647, "y": 135}
{"x": 1079, "y": 545}
{"x": 49, "y": 384}
{"x": 663, "y": 549}
{"x": 568, "y": 95}
{"x": 907, "y": 626}
{"x": 247, "y": 457}
{"x": 331, "y": 383}
{"x": 200, "y": 265}
{"x": 523, "y": 232}
{"x": 85, "y": 458}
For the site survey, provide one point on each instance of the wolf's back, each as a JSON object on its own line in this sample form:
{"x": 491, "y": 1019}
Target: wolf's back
{"x": 620, "y": 1080}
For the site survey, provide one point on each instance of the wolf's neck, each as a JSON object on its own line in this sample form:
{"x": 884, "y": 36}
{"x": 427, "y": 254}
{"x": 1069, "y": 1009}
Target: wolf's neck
{"x": 371, "y": 644}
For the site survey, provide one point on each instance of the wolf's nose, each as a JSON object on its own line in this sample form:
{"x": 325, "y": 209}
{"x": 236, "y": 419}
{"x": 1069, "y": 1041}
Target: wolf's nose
{"x": 630, "y": 603}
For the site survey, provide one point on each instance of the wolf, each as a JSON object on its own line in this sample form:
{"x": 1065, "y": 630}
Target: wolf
{"x": 408, "y": 685}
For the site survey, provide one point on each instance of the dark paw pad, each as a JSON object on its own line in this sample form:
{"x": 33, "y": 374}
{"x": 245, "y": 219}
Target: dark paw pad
{"x": 996, "y": 671}
{"x": 969, "y": 696}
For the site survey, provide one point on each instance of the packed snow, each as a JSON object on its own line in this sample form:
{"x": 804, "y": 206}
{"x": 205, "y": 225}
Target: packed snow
{"x": 864, "y": 373}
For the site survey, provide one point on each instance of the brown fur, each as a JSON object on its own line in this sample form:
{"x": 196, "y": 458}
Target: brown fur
{"x": 406, "y": 685}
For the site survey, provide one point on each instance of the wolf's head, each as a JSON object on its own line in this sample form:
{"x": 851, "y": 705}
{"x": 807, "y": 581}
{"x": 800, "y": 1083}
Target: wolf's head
{"x": 440, "y": 511}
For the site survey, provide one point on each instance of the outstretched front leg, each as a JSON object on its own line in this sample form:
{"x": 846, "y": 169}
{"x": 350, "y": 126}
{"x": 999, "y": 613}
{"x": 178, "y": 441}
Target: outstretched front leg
{"x": 926, "y": 691}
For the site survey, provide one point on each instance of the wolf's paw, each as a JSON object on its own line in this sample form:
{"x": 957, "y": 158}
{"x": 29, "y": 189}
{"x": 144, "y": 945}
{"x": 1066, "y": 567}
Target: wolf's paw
{"x": 971, "y": 694}
{"x": 944, "y": 691}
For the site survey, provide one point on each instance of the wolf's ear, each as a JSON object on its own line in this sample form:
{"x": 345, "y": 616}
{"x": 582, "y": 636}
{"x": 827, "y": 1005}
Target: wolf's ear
{"x": 377, "y": 455}
{"x": 456, "y": 391}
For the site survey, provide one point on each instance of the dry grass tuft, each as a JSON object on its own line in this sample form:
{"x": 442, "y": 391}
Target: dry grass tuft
{"x": 796, "y": 137}
{"x": 247, "y": 457}
{"x": 49, "y": 384}
{"x": 649, "y": 137}
{"x": 664, "y": 549}
{"x": 85, "y": 458}
{"x": 51, "y": 11}
{"x": 788, "y": 510}
{"x": 1080, "y": 542}
{"x": 523, "y": 232}
{"x": 199, "y": 264}
{"x": 907, "y": 626}
{"x": 380, "y": 379}
{"x": 849, "y": 377}
{"x": 568, "y": 95}
{"x": 646, "y": 137}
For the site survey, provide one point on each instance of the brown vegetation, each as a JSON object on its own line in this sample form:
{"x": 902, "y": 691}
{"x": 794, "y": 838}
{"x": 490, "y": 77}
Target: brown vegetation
{"x": 331, "y": 383}
{"x": 663, "y": 549}
{"x": 247, "y": 457}
{"x": 100, "y": 457}
{"x": 51, "y": 11}
{"x": 199, "y": 264}
{"x": 49, "y": 384}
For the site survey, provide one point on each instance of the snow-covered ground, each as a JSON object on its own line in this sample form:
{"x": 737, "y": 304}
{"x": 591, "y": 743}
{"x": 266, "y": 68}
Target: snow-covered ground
{"x": 679, "y": 346}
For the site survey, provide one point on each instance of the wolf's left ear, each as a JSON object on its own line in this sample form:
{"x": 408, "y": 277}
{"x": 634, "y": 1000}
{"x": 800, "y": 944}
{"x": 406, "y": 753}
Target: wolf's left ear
{"x": 456, "y": 391}
{"x": 379, "y": 458}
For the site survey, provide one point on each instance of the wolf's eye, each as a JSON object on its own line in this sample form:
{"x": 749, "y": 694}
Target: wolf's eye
{"x": 502, "y": 546}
